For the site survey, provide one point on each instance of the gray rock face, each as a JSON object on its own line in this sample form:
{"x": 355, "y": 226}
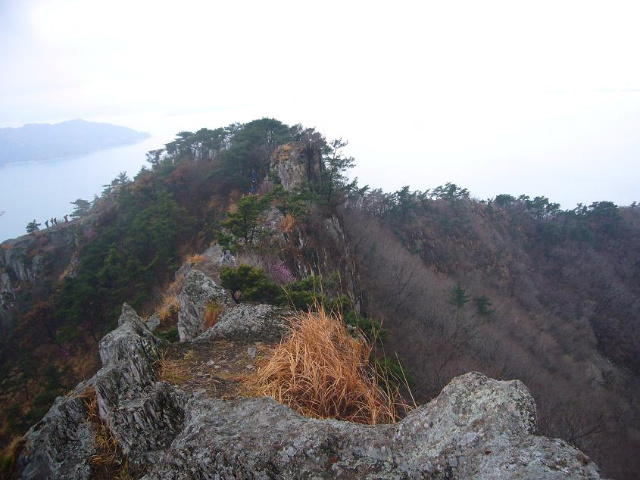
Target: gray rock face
{"x": 477, "y": 428}
{"x": 60, "y": 445}
{"x": 197, "y": 291}
{"x": 24, "y": 261}
{"x": 248, "y": 323}
{"x": 143, "y": 414}
{"x": 297, "y": 162}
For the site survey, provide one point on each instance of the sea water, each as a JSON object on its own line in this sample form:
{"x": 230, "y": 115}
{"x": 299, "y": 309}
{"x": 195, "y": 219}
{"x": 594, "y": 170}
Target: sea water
{"x": 40, "y": 191}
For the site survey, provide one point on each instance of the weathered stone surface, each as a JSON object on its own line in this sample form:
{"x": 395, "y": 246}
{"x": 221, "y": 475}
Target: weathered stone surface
{"x": 60, "y": 445}
{"x": 249, "y": 323}
{"x": 142, "y": 413}
{"x": 197, "y": 291}
{"x": 27, "y": 260}
{"x": 477, "y": 428}
{"x": 296, "y": 163}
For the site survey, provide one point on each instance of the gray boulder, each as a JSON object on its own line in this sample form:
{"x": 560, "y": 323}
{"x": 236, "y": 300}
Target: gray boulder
{"x": 248, "y": 323}
{"x": 198, "y": 290}
{"x": 60, "y": 445}
{"x": 478, "y": 428}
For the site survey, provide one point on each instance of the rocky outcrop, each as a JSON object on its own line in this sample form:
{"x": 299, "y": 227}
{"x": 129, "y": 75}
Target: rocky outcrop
{"x": 198, "y": 291}
{"x": 142, "y": 413}
{"x": 297, "y": 162}
{"x": 27, "y": 261}
{"x": 477, "y": 428}
{"x": 60, "y": 445}
{"x": 248, "y": 323}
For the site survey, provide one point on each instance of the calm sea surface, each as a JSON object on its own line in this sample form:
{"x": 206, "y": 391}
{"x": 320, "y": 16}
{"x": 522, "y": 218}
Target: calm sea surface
{"x": 39, "y": 191}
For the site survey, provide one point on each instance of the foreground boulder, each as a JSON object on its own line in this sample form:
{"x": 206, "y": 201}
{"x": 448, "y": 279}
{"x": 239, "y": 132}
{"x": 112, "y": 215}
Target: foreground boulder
{"x": 477, "y": 428}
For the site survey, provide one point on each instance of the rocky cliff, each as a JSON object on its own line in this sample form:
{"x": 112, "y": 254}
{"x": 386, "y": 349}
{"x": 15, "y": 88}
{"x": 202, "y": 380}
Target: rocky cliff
{"x": 154, "y": 429}
{"x": 26, "y": 261}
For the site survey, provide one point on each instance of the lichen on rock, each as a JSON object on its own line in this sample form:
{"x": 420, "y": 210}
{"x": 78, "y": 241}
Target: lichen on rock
{"x": 477, "y": 428}
{"x": 198, "y": 290}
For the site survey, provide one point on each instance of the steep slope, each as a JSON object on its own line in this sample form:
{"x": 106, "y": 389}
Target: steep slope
{"x": 514, "y": 291}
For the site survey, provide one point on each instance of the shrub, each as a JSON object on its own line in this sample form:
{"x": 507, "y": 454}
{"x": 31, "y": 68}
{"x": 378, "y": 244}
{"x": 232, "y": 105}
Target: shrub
{"x": 170, "y": 335}
{"x": 252, "y": 284}
{"x": 371, "y": 328}
{"x": 10, "y": 455}
{"x": 323, "y": 372}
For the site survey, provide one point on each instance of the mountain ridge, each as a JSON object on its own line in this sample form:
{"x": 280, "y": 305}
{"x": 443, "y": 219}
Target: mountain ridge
{"x": 511, "y": 287}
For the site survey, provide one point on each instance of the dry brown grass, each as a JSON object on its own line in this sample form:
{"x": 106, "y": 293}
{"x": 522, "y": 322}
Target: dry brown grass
{"x": 168, "y": 310}
{"x": 170, "y": 306}
{"x": 321, "y": 371}
{"x": 108, "y": 461}
{"x": 175, "y": 370}
{"x": 211, "y": 313}
{"x": 195, "y": 259}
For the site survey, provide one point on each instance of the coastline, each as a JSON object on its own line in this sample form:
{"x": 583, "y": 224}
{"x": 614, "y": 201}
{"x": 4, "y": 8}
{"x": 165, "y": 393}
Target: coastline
{"x": 74, "y": 156}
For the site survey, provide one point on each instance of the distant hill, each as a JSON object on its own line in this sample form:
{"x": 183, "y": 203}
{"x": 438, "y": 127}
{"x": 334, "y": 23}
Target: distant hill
{"x": 36, "y": 142}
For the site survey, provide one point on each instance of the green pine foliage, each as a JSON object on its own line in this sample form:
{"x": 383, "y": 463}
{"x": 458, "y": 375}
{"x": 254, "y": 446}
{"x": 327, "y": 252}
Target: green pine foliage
{"x": 248, "y": 283}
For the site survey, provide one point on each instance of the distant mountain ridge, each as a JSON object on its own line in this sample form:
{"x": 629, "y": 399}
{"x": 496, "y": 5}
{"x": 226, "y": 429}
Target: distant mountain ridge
{"x": 36, "y": 142}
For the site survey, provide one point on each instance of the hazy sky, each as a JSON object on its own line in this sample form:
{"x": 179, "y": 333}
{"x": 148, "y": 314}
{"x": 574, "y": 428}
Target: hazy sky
{"x": 541, "y": 98}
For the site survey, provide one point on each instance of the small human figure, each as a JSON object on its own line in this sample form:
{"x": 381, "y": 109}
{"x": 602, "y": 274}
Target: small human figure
{"x": 66, "y": 219}
{"x": 55, "y": 220}
{"x": 46, "y": 222}
{"x": 227, "y": 259}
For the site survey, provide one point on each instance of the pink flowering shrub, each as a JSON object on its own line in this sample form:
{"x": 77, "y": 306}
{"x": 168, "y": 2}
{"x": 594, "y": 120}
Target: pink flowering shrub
{"x": 281, "y": 273}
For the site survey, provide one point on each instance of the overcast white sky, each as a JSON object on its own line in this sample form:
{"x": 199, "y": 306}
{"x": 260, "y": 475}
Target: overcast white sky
{"x": 540, "y": 98}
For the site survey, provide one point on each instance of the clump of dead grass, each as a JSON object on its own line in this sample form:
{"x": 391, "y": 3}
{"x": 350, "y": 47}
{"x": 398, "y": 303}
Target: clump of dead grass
{"x": 211, "y": 313}
{"x": 170, "y": 305}
{"x": 108, "y": 461}
{"x": 169, "y": 309}
{"x": 321, "y": 371}
{"x": 287, "y": 224}
{"x": 195, "y": 259}
{"x": 175, "y": 370}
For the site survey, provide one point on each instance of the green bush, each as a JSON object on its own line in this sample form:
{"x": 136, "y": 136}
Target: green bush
{"x": 170, "y": 335}
{"x": 371, "y": 328}
{"x": 251, "y": 283}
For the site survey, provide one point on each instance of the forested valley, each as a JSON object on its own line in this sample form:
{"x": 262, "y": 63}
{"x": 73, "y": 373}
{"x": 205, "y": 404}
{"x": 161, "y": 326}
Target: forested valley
{"x": 513, "y": 287}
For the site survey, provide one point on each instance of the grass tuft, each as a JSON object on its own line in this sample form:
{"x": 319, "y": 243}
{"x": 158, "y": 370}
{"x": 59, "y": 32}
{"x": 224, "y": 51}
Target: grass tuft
{"x": 321, "y": 371}
{"x": 108, "y": 461}
{"x": 174, "y": 370}
{"x": 212, "y": 312}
